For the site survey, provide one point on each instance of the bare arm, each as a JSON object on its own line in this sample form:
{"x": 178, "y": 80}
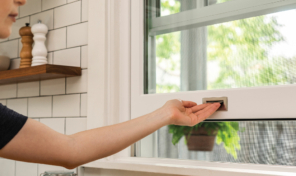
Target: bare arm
{"x": 39, "y": 144}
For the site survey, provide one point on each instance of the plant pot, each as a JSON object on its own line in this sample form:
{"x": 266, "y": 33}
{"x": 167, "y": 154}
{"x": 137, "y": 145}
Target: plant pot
{"x": 200, "y": 140}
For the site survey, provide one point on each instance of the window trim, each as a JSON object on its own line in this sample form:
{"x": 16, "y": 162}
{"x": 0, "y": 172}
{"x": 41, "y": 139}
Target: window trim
{"x": 110, "y": 53}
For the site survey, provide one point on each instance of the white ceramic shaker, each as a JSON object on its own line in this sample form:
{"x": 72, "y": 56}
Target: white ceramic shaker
{"x": 39, "y": 51}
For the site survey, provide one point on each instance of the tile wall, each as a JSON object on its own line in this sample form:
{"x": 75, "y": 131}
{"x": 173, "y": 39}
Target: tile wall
{"x": 59, "y": 103}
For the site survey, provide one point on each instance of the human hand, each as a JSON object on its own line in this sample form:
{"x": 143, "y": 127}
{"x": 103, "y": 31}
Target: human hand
{"x": 188, "y": 113}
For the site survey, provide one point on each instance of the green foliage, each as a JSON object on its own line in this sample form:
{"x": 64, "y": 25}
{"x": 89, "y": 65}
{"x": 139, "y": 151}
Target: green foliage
{"x": 166, "y": 7}
{"x": 241, "y": 48}
{"x": 167, "y": 88}
{"x": 227, "y": 133}
{"x": 167, "y": 45}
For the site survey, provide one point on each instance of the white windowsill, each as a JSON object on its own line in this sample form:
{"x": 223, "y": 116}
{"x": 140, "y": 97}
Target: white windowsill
{"x": 183, "y": 167}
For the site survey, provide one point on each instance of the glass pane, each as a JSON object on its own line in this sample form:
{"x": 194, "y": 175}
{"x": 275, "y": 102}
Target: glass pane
{"x": 254, "y": 142}
{"x": 169, "y": 7}
{"x": 258, "y": 51}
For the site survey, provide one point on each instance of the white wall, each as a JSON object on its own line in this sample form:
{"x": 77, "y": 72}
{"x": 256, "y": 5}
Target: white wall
{"x": 59, "y": 103}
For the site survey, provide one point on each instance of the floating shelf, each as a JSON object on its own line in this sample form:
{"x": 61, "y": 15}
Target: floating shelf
{"x": 36, "y": 73}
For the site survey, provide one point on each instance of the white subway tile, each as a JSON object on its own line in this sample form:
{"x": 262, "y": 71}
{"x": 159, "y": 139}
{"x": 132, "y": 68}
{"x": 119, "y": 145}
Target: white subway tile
{"x": 45, "y": 17}
{"x": 15, "y": 28}
{"x": 77, "y": 35}
{"x": 48, "y": 4}
{"x": 18, "y": 105}
{"x": 40, "y": 107}
{"x": 31, "y": 7}
{"x": 68, "y": 57}
{"x": 83, "y": 105}
{"x": 69, "y": 1}
{"x": 56, "y": 39}
{"x": 84, "y": 56}
{"x": 66, "y": 106}
{"x": 77, "y": 84}
{"x": 72, "y": 16}
{"x": 44, "y": 167}
{"x": 50, "y": 58}
{"x": 35, "y": 118}
{"x": 84, "y": 10}
{"x": 28, "y": 89}
{"x": 9, "y": 48}
{"x": 14, "y": 63}
{"x": 75, "y": 125}
{"x": 3, "y": 40}
{"x": 25, "y": 169}
{"x": 57, "y": 124}
{"x": 53, "y": 86}
{"x": 18, "y": 15}
{"x": 7, "y": 167}
{"x": 3, "y": 102}
{"x": 8, "y": 91}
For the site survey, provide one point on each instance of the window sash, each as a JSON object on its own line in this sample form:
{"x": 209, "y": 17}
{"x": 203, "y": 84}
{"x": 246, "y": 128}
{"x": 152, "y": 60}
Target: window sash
{"x": 218, "y": 13}
{"x": 266, "y": 102}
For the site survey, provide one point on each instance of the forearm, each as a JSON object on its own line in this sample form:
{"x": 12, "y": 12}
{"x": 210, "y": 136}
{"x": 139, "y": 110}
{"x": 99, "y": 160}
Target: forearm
{"x": 98, "y": 143}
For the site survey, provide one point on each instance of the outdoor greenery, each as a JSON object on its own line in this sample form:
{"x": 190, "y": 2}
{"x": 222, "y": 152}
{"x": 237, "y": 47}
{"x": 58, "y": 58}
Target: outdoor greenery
{"x": 239, "y": 47}
{"x": 227, "y": 133}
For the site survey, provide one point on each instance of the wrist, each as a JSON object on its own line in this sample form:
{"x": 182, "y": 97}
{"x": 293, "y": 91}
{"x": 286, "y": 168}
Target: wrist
{"x": 164, "y": 116}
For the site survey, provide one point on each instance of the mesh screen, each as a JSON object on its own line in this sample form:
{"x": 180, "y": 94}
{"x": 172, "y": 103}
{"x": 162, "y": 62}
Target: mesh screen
{"x": 262, "y": 142}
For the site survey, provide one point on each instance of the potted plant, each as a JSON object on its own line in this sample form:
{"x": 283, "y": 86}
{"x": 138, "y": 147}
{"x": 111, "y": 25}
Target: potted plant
{"x": 201, "y": 137}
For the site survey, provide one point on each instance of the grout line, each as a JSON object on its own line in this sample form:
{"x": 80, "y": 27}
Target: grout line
{"x": 47, "y": 9}
{"x": 81, "y": 56}
{"x": 12, "y": 98}
{"x": 52, "y": 57}
{"x": 52, "y": 19}
{"x": 52, "y": 106}
{"x": 58, "y": 117}
{"x": 19, "y": 14}
{"x": 66, "y": 86}
{"x": 16, "y": 90}
{"x": 67, "y": 48}
{"x": 64, "y": 125}
{"x": 28, "y": 107}
{"x": 81, "y": 11}
{"x": 66, "y": 36}
{"x": 68, "y": 25}
{"x": 39, "y": 88}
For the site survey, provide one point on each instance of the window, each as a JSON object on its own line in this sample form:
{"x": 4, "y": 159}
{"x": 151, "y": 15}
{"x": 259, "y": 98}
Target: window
{"x": 240, "y": 49}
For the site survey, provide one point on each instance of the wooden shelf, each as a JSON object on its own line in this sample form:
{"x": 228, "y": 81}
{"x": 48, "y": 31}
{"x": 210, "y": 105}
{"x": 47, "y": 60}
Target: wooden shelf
{"x": 36, "y": 73}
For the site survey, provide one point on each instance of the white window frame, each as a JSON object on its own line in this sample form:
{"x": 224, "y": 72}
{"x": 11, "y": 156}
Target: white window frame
{"x": 115, "y": 47}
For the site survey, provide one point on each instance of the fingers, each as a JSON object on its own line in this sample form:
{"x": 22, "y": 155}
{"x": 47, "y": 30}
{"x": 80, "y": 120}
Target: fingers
{"x": 188, "y": 104}
{"x": 200, "y": 107}
{"x": 207, "y": 112}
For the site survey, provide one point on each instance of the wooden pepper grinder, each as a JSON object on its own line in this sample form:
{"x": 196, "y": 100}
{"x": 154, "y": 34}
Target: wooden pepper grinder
{"x": 27, "y": 41}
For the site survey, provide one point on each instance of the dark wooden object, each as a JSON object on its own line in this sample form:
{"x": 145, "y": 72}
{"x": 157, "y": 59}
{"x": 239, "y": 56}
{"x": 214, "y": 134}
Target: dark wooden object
{"x": 27, "y": 41}
{"x": 36, "y": 73}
